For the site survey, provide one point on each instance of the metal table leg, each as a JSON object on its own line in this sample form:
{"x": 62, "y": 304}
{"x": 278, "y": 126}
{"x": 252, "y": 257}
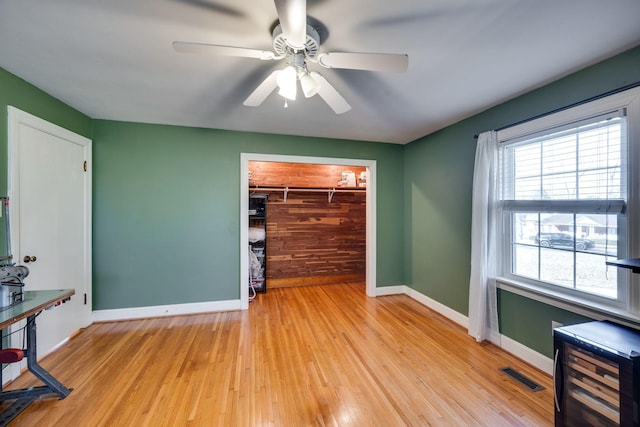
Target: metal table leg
{"x": 35, "y": 368}
{"x": 24, "y": 397}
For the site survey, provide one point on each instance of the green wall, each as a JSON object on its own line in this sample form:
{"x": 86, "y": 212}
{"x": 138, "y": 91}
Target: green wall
{"x": 167, "y": 209}
{"x": 528, "y": 321}
{"x": 438, "y": 183}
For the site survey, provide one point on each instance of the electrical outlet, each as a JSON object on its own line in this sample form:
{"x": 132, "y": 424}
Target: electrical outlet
{"x": 554, "y": 325}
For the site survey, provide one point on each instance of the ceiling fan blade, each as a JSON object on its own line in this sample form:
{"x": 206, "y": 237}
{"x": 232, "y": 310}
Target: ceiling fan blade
{"x": 293, "y": 20}
{"x": 216, "y": 49}
{"x": 263, "y": 90}
{"x": 213, "y": 6}
{"x": 330, "y": 95}
{"x": 390, "y": 62}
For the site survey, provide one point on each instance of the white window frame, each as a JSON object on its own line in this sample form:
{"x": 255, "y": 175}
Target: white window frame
{"x": 628, "y": 310}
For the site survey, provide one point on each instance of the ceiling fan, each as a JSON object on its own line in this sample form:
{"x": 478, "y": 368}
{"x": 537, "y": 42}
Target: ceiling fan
{"x": 299, "y": 43}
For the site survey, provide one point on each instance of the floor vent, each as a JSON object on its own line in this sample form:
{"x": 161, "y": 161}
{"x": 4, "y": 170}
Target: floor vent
{"x": 527, "y": 382}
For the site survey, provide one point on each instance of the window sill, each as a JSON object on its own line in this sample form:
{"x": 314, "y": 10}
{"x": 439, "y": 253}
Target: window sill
{"x": 580, "y": 306}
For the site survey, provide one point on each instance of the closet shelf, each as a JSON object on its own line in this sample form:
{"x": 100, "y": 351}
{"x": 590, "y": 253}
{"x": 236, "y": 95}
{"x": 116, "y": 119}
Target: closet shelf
{"x": 329, "y": 190}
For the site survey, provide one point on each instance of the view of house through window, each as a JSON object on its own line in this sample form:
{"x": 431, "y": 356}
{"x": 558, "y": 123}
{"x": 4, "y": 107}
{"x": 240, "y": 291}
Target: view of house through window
{"x": 564, "y": 195}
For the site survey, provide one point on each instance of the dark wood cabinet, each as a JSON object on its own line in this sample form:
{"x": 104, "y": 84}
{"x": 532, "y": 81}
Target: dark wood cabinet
{"x": 596, "y": 375}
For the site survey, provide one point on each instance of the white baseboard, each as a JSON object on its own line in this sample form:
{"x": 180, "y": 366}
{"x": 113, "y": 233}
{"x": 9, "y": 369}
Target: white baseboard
{"x": 519, "y": 350}
{"x": 164, "y": 310}
{"x": 424, "y": 300}
{"x": 540, "y": 361}
{"x": 438, "y": 307}
{"x": 391, "y": 290}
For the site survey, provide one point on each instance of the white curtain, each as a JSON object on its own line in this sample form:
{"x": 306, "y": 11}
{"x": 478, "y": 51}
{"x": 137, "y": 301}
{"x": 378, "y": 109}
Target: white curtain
{"x": 483, "y": 306}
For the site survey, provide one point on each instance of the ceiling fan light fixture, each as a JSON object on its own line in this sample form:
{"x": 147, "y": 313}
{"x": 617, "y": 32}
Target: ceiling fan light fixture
{"x": 296, "y": 39}
{"x": 287, "y": 82}
{"x": 309, "y": 85}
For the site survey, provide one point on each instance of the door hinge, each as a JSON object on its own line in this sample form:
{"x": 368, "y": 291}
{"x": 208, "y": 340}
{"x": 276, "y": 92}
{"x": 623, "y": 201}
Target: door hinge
{"x": 85, "y": 299}
{"x": 84, "y": 166}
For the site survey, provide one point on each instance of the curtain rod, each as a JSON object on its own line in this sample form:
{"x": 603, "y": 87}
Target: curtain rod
{"x": 575, "y": 104}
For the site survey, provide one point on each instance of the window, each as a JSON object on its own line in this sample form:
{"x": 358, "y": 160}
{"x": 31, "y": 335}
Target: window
{"x": 563, "y": 193}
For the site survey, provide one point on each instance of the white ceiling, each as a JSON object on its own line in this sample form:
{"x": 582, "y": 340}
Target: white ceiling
{"x": 113, "y": 59}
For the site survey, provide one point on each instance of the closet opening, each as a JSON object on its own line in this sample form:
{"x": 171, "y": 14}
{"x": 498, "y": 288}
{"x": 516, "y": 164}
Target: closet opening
{"x": 306, "y": 221}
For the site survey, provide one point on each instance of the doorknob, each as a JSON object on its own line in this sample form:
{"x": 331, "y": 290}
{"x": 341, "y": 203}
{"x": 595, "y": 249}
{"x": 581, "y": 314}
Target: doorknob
{"x": 27, "y": 259}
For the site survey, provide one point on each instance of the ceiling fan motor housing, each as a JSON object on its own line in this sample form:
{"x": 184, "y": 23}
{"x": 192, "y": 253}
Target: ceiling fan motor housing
{"x": 311, "y": 46}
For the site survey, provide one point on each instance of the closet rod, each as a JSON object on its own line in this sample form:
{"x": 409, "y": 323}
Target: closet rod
{"x": 310, "y": 190}
{"x": 329, "y": 191}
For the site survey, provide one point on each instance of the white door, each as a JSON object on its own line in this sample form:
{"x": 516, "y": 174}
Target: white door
{"x": 50, "y": 213}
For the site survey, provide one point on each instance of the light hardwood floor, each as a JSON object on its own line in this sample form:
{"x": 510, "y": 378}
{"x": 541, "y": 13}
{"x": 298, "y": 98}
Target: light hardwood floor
{"x": 320, "y": 355}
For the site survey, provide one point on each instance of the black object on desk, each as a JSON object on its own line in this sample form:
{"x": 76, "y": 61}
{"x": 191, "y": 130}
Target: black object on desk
{"x": 33, "y": 303}
{"x": 632, "y": 263}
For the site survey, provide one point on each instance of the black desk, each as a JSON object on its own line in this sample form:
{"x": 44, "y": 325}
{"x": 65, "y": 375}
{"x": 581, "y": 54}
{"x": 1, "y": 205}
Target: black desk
{"x": 632, "y": 263}
{"x": 34, "y": 302}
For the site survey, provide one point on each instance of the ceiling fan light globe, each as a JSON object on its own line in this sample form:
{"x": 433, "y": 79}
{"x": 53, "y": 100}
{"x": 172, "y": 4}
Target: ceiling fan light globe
{"x": 288, "y": 94}
{"x": 287, "y": 82}
{"x": 309, "y": 85}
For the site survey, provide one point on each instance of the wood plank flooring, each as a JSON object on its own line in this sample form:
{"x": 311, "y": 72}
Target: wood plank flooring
{"x": 320, "y": 355}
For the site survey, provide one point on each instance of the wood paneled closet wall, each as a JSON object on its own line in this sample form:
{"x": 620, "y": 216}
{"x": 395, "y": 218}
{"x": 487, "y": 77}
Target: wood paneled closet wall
{"x": 310, "y": 239}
